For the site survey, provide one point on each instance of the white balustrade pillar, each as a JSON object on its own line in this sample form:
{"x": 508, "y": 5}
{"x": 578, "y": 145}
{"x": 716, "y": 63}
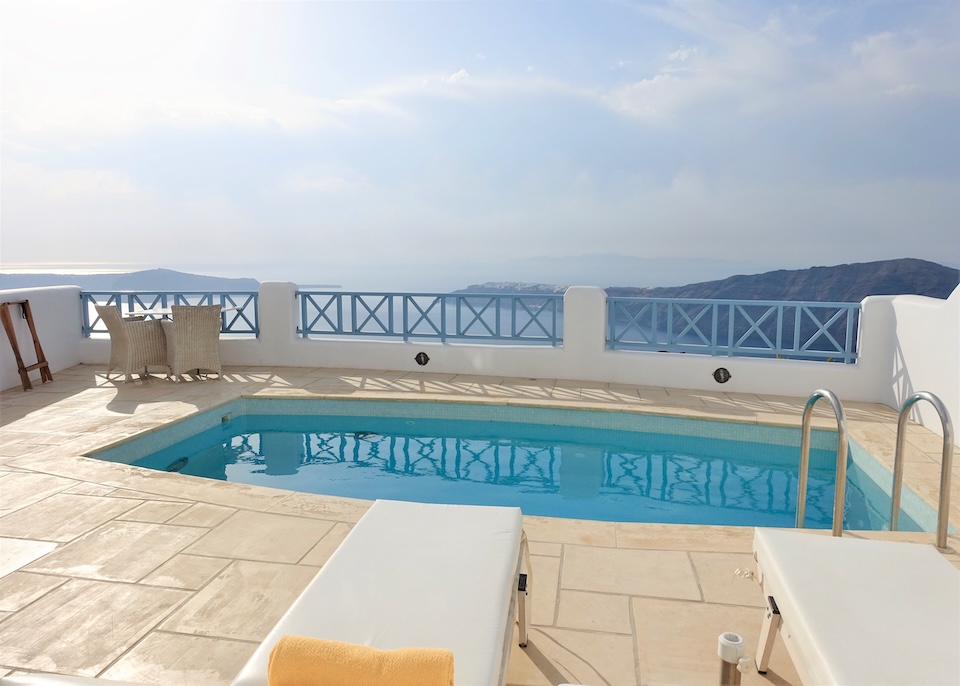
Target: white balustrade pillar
{"x": 584, "y": 330}
{"x": 278, "y": 320}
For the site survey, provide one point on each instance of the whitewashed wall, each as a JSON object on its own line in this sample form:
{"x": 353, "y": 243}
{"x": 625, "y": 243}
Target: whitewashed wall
{"x": 56, "y": 315}
{"x": 908, "y": 343}
{"x": 925, "y": 354}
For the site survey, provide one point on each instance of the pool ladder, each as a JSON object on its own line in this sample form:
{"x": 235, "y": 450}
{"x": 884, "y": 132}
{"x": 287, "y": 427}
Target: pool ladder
{"x": 946, "y": 465}
{"x": 840, "y": 490}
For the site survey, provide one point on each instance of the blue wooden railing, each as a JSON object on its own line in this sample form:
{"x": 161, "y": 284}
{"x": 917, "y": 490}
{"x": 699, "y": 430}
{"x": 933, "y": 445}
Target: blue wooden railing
{"x": 243, "y": 317}
{"x": 752, "y": 328}
{"x": 531, "y": 319}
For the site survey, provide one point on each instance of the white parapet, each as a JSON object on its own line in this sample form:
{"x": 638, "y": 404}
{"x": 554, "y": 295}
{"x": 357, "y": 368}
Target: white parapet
{"x": 56, "y": 316}
{"x": 907, "y": 344}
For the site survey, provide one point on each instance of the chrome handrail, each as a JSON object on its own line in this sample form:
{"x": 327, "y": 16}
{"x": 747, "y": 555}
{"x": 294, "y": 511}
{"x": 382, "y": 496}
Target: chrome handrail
{"x": 946, "y": 465}
{"x": 840, "y": 490}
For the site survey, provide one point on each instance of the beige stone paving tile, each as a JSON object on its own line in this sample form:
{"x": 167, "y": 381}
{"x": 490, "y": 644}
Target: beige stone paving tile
{"x": 16, "y": 553}
{"x": 202, "y": 514}
{"x": 262, "y": 536}
{"x": 729, "y": 413}
{"x": 13, "y": 414}
{"x": 427, "y": 376}
{"x": 10, "y": 437}
{"x": 322, "y": 551}
{"x": 871, "y": 410}
{"x": 174, "y": 486}
{"x": 243, "y": 602}
{"x": 594, "y": 612}
{"x": 364, "y": 373}
{"x": 63, "y": 517}
{"x": 19, "y": 449}
{"x": 544, "y": 589}
{"x": 563, "y": 394}
{"x": 34, "y": 398}
{"x": 816, "y": 422}
{"x": 556, "y": 656}
{"x": 60, "y": 633}
{"x": 25, "y": 488}
{"x": 143, "y": 495}
{"x": 535, "y": 384}
{"x": 552, "y": 530}
{"x": 545, "y": 549}
{"x": 683, "y": 398}
{"x": 89, "y": 488}
{"x": 684, "y": 537}
{"x": 480, "y": 379}
{"x": 186, "y": 571}
{"x": 923, "y": 438}
{"x": 19, "y": 589}
{"x": 430, "y": 386}
{"x": 665, "y": 574}
{"x": 118, "y": 551}
{"x": 677, "y": 643}
{"x": 322, "y": 507}
{"x": 167, "y": 658}
{"x": 309, "y": 392}
{"x": 154, "y": 511}
{"x": 715, "y": 572}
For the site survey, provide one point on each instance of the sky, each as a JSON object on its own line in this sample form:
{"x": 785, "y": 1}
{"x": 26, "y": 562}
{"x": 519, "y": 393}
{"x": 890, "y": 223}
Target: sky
{"x": 399, "y": 144}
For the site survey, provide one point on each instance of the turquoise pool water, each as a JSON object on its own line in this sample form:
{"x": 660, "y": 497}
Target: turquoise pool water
{"x": 609, "y": 466}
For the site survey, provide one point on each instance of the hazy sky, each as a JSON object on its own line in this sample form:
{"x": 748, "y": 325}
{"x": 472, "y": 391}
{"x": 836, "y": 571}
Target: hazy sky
{"x": 305, "y": 140}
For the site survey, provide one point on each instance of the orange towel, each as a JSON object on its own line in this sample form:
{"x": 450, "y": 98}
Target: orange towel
{"x": 302, "y": 661}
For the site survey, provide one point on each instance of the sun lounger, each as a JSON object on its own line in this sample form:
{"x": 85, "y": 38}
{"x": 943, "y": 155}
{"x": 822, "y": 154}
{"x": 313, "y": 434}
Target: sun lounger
{"x": 853, "y": 611}
{"x": 419, "y": 575}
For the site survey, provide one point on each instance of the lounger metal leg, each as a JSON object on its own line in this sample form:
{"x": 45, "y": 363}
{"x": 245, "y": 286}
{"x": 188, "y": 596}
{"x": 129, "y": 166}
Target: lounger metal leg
{"x": 524, "y": 587}
{"x": 768, "y": 632}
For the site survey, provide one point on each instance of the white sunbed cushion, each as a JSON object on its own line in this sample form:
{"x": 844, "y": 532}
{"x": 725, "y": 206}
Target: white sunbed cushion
{"x": 864, "y": 612}
{"x": 414, "y": 575}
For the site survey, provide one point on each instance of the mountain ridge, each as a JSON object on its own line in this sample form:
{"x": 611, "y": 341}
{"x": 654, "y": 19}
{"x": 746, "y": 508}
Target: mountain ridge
{"x": 838, "y": 283}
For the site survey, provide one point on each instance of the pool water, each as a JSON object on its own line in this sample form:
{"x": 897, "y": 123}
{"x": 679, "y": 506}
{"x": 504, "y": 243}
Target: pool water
{"x": 684, "y": 471}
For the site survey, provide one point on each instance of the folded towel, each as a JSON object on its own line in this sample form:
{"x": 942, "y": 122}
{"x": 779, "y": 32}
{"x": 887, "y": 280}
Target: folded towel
{"x": 302, "y": 661}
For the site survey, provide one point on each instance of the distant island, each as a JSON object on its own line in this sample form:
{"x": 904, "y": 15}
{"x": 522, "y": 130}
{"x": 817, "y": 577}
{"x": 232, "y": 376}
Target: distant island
{"x": 841, "y": 283}
{"x": 145, "y": 280}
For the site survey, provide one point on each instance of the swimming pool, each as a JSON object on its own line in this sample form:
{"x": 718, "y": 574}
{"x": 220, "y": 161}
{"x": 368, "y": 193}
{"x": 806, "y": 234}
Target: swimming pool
{"x": 609, "y": 466}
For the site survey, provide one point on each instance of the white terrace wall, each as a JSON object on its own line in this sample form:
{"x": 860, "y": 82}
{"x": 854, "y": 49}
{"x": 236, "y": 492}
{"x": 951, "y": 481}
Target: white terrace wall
{"x": 907, "y": 343}
{"x": 921, "y": 353}
{"x": 56, "y": 316}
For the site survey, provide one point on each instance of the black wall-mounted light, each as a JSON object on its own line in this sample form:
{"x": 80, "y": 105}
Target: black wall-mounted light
{"x": 422, "y": 359}
{"x": 721, "y": 375}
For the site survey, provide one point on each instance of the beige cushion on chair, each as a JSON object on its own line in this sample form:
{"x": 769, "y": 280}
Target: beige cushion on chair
{"x": 135, "y": 344}
{"x": 193, "y": 339}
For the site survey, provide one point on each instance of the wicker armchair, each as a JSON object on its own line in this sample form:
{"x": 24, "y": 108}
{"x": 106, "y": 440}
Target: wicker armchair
{"x": 193, "y": 339}
{"x": 136, "y": 344}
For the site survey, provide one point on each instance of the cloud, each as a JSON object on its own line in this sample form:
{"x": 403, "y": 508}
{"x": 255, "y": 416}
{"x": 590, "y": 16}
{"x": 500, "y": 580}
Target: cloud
{"x": 903, "y": 63}
{"x": 683, "y": 54}
{"x": 119, "y": 114}
{"x": 458, "y": 76}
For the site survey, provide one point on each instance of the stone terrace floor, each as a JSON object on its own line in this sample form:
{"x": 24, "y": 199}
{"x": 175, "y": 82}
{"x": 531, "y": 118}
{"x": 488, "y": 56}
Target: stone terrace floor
{"x": 114, "y": 571}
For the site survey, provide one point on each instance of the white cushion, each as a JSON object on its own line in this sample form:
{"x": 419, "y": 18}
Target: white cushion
{"x": 414, "y": 575}
{"x": 58, "y": 680}
{"x": 864, "y": 612}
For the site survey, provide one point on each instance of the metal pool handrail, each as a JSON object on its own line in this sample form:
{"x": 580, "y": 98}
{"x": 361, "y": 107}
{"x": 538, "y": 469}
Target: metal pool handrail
{"x": 840, "y": 490}
{"x": 946, "y": 465}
